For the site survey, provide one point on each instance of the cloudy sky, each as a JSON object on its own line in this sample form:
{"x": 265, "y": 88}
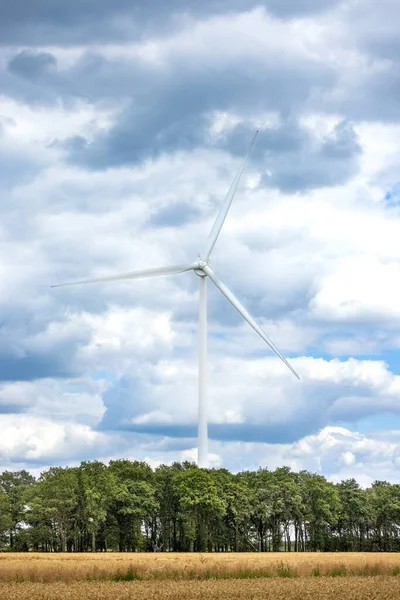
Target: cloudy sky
{"x": 122, "y": 125}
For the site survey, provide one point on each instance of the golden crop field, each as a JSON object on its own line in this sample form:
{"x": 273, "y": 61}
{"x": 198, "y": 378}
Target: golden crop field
{"x": 165, "y": 576}
{"x": 355, "y": 588}
{"x": 69, "y": 567}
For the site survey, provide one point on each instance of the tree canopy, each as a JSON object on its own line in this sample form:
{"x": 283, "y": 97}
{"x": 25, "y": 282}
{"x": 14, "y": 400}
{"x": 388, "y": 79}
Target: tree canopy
{"x": 128, "y": 506}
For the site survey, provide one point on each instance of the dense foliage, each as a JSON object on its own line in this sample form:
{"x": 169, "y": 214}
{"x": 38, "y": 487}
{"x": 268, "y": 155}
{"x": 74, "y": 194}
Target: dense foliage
{"x": 128, "y": 506}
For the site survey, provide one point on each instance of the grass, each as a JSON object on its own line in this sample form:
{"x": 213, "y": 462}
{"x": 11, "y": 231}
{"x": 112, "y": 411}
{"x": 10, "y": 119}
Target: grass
{"x": 129, "y": 575}
{"x": 338, "y": 571}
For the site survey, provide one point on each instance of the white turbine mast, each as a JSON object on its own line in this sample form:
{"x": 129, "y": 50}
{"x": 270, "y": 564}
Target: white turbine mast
{"x": 202, "y": 268}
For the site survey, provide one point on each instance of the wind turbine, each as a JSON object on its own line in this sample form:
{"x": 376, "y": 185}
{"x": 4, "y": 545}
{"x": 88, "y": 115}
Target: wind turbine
{"x": 201, "y": 267}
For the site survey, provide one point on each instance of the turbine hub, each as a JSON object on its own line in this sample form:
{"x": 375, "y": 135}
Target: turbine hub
{"x": 201, "y": 264}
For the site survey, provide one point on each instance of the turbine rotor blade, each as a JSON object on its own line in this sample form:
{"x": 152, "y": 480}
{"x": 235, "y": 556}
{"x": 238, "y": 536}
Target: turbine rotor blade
{"x": 246, "y": 316}
{"x": 173, "y": 270}
{"x": 215, "y": 231}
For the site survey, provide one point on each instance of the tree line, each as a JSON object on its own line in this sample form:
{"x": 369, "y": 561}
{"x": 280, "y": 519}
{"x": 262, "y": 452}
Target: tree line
{"x": 128, "y": 506}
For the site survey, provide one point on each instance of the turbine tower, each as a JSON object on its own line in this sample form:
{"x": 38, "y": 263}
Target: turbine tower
{"x": 203, "y": 270}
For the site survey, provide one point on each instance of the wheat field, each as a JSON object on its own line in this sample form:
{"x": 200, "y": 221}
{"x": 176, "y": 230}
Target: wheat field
{"x": 303, "y": 588}
{"x": 70, "y": 567}
{"x": 164, "y": 576}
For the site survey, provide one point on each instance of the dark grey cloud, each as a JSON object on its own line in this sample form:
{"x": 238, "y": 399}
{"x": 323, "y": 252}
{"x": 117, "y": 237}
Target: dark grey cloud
{"x": 291, "y": 8}
{"x": 130, "y": 397}
{"x": 319, "y": 397}
{"x": 34, "y": 366}
{"x": 32, "y": 64}
{"x": 173, "y": 214}
{"x": 54, "y": 21}
{"x": 167, "y": 104}
{"x": 384, "y": 92}
{"x": 172, "y": 111}
{"x": 385, "y": 46}
{"x": 10, "y": 408}
{"x": 125, "y": 397}
{"x": 23, "y": 359}
{"x": 25, "y": 352}
{"x": 246, "y": 432}
{"x": 313, "y": 407}
{"x": 249, "y": 432}
{"x": 315, "y": 163}
{"x": 294, "y": 158}
{"x": 13, "y": 170}
{"x": 375, "y": 27}
{"x": 33, "y": 77}
{"x": 35, "y": 341}
{"x": 57, "y": 22}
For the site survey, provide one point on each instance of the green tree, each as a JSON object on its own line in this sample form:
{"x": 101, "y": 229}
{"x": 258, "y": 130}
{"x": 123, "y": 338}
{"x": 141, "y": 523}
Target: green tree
{"x": 167, "y": 501}
{"x": 288, "y": 506}
{"x": 353, "y": 515}
{"x": 132, "y": 502}
{"x": 97, "y": 483}
{"x": 322, "y": 506}
{"x": 384, "y": 510}
{"x": 5, "y": 519}
{"x": 53, "y": 504}
{"x": 130, "y": 507}
{"x": 14, "y": 485}
{"x": 200, "y": 507}
{"x": 235, "y": 494}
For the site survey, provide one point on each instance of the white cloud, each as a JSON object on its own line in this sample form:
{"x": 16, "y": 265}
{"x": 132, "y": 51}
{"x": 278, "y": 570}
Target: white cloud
{"x": 250, "y": 398}
{"x": 78, "y": 400}
{"x": 35, "y": 439}
{"x": 335, "y": 452}
{"x": 318, "y": 268}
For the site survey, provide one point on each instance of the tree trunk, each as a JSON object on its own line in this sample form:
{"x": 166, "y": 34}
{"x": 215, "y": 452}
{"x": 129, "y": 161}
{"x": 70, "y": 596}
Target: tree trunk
{"x": 236, "y": 537}
{"x": 261, "y": 535}
{"x": 288, "y": 540}
{"x": 63, "y": 541}
{"x": 174, "y": 537}
{"x": 203, "y": 534}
